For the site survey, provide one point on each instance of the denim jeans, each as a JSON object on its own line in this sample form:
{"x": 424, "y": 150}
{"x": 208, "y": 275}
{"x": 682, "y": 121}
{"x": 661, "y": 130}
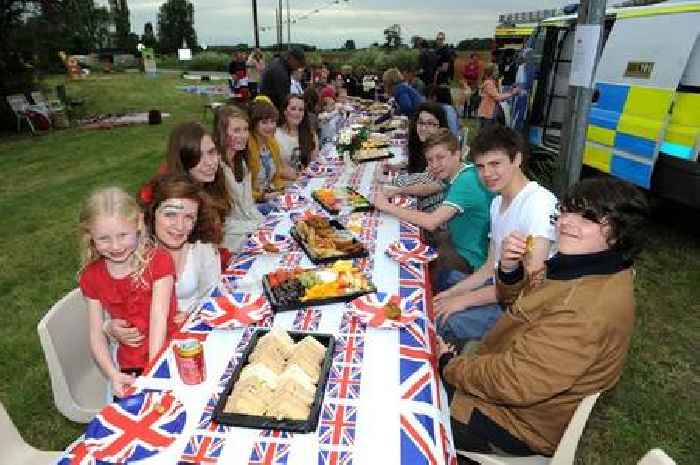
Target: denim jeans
{"x": 471, "y": 323}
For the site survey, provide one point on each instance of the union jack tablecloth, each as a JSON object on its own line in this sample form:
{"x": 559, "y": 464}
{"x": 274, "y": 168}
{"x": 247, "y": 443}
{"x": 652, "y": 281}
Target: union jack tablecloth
{"x": 384, "y": 403}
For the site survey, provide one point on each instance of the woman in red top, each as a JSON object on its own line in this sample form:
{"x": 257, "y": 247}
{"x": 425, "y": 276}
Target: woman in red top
{"x": 124, "y": 275}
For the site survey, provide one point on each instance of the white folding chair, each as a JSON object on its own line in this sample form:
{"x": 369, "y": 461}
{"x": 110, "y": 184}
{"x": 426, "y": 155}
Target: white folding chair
{"x": 566, "y": 450}
{"x": 79, "y": 387}
{"x": 20, "y": 106}
{"x": 656, "y": 457}
{"x": 51, "y": 106}
{"x": 15, "y": 449}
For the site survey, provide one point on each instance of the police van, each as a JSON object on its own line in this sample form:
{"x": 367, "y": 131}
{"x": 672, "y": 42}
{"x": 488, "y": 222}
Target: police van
{"x": 644, "y": 124}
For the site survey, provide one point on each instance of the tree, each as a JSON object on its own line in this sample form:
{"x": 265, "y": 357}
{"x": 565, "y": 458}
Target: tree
{"x": 148, "y": 38}
{"x": 392, "y": 36}
{"x": 349, "y": 44}
{"x": 120, "y": 16}
{"x": 176, "y": 25}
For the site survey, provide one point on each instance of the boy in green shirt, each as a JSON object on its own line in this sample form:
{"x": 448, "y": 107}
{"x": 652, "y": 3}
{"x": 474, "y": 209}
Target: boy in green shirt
{"x": 465, "y": 210}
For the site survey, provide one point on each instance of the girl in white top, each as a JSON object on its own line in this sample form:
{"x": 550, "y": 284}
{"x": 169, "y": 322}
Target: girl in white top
{"x": 295, "y": 132}
{"x": 231, "y": 136}
{"x": 181, "y": 219}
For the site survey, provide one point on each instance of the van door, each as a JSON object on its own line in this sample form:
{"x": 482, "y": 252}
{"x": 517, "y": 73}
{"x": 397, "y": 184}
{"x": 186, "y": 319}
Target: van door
{"x": 636, "y": 81}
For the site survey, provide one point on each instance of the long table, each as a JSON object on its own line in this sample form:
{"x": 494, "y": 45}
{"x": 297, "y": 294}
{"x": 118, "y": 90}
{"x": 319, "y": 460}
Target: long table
{"x": 384, "y": 402}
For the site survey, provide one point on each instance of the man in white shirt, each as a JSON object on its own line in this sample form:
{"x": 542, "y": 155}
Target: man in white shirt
{"x": 468, "y": 309}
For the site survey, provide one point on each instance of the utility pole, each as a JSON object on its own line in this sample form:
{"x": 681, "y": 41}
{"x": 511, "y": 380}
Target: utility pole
{"x": 289, "y": 29}
{"x": 255, "y": 24}
{"x": 591, "y": 13}
{"x": 281, "y": 31}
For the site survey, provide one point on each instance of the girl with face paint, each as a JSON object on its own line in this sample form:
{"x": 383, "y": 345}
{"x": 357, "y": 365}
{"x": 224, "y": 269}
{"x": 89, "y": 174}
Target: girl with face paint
{"x": 124, "y": 275}
{"x": 181, "y": 220}
{"x": 231, "y": 134}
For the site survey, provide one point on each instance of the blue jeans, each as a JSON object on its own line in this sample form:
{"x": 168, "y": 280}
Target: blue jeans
{"x": 469, "y": 324}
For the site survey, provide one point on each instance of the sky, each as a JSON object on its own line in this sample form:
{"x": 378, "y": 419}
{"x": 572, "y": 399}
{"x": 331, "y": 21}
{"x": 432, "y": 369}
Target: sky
{"x": 229, "y": 22}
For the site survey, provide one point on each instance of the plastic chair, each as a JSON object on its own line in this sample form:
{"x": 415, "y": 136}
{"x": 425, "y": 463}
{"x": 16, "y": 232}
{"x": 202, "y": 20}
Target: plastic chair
{"x": 20, "y": 107}
{"x": 566, "y": 450}
{"x": 656, "y": 457}
{"x": 79, "y": 387}
{"x": 15, "y": 449}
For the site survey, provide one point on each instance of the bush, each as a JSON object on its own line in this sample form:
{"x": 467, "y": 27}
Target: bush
{"x": 378, "y": 60}
{"x": 169, "y": 62}
{"x": 210, "y": 61}
{"x": 405, "y": 59}
{"x": 371, "y": 59}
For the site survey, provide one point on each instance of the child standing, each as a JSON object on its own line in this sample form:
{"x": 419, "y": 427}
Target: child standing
{"x": 124, "y": 275}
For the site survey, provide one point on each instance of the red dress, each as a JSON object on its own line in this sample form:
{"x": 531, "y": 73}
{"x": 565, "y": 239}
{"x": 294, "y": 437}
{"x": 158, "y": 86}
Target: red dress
{"x": 123, "y": 298}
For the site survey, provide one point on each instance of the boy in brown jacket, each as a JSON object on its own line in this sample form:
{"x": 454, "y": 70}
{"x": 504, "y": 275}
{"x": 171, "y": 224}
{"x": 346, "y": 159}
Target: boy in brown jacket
{"x": 565, "y": 335}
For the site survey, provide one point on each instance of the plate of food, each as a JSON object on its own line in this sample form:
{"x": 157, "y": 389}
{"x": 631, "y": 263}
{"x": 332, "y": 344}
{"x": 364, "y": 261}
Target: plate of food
{"x": 298, "y": 288}
{"x": 383, "y": 310}
{"x": 335, "y": 200}
{"x": 325, "y": 241}
{"x": 371, "y": 154}
{"x": 279, "y": 383}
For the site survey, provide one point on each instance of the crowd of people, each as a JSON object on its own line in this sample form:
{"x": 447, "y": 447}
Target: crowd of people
{"x": 544, "y": 284}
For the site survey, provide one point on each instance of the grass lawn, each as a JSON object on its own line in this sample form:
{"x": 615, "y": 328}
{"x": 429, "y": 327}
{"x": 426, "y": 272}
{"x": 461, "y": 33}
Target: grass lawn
{"x": 656, "y": 403}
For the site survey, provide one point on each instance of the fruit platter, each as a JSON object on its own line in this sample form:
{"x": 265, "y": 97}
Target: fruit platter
{"x": 335, "y": 200}
{"x": 297, "y": 288}
{"x": 325, "y": 241}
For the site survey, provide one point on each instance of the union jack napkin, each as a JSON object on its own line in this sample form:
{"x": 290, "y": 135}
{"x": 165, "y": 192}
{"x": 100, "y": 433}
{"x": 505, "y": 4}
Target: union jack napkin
{"x": 132, "y": 429}
{"x": 411, "y": 250}
{"x": 266, "y": 242}
{"x": 234, "y": 310}
{"x": 369, "y": 309}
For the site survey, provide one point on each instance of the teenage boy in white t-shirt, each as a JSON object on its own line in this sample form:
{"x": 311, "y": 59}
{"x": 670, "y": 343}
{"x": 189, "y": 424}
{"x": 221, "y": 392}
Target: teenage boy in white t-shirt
{"x": 523, "y": 208}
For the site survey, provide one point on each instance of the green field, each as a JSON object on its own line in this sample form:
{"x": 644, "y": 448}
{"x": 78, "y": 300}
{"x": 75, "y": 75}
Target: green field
{"x": 656, "y": 404}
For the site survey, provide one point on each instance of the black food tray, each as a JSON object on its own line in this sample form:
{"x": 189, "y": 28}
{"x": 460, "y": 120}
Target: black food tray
{"x": 335, "y": 211}
{"x": 280, "y": 307}
{"x": 315, "y": 259}
{"x": 254, "y": 421}
{"x": 388, "y": 155}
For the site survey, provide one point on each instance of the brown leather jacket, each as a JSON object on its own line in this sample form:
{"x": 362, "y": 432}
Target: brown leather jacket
{"x": 557, "y": 343}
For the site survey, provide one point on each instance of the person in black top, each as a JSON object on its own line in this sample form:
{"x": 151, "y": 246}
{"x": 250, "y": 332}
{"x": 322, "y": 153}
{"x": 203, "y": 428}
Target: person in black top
{"x": 237, "y": 70}
{"x": 508, "y": 69}
{"x": 427, "y": 61}
{"x": 445, "y": 68}
{"x": 349, "y": 81}
{"x": 276, "y": 77}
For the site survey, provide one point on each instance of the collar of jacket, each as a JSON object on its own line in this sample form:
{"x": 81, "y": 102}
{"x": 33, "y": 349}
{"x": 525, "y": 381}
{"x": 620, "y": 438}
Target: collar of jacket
{"x": 564, "y": 267}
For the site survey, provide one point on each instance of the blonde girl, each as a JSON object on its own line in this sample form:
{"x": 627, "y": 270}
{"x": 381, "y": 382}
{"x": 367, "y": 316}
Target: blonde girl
{"x": 231, "y": 134}
{"x": 124, "y": 275}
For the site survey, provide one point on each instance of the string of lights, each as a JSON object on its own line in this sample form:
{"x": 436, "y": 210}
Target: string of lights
{"x": 308, "y": 14}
